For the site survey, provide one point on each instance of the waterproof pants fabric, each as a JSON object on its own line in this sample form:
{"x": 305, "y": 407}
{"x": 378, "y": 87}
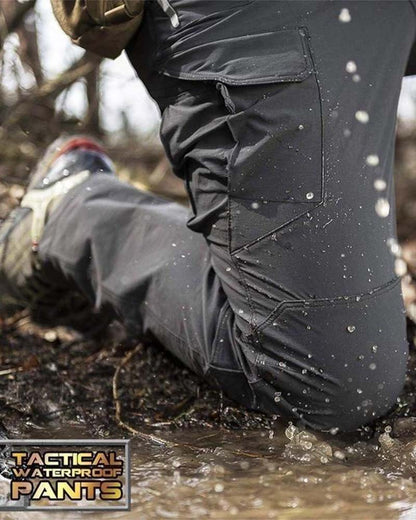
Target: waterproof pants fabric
{"x": 279, "y": 284}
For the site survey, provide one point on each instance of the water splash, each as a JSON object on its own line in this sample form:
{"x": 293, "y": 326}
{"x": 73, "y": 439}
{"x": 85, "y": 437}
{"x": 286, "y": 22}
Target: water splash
{"x": 304, "y": 446}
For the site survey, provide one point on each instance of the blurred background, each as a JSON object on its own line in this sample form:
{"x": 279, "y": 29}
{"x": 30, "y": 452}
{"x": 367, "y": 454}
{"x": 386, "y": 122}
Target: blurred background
{"x": 48, "y": 85}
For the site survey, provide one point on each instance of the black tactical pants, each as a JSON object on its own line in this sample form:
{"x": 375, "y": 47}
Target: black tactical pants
{"x": 280, "y": 286}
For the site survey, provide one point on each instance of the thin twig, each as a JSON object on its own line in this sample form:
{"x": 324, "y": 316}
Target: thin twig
{"x": 50, "y": 89}
{"x": 8, "y": 371}
{"x": 10, "y": 322}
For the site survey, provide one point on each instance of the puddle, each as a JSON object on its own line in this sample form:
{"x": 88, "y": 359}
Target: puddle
{"x": 264, "y": 474}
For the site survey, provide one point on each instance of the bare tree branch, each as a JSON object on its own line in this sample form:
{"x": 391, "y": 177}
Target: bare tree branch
{"x": 11, "y": 16}
{"x": 92, "y": 119}
{"x": 29, "y": 49}
{"x": 50, "y": 90}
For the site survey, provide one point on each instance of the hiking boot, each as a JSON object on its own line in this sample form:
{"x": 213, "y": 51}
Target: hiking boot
{"x": 67, "y": 162}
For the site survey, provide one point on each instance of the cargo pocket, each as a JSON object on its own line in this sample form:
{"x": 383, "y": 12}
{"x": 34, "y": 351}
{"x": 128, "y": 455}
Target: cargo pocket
{"x": 272, "y": 108}
{"x": 272, "y": 97}
{"x": 277, "y": 130}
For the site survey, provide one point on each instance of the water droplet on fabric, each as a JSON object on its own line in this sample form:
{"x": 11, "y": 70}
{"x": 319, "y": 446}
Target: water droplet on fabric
{"x": 372, "y": 160}
{"x": 380, "y": 184}
{"x": 362, "y": 116}
{"x": 351, "y": 67}
{"x": 344, "y": 16}
{"x": 394, "y": 246}
{"x": 309, "y": 195}
{"x": 351, "y": 328}
{"x": 382, "y": 208}
{"x": 400, "y": 267}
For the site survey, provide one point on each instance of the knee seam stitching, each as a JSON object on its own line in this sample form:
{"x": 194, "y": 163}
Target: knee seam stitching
{"x": 337, "y": 300}
{"x": 236, "y": 263}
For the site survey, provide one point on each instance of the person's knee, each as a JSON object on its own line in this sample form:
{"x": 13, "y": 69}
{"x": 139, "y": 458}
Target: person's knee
{"x": 353, "y": 401}
{"x": 333, "y": 398}
{"x": 354, "y": 406}
{"x": 332, "y": 364}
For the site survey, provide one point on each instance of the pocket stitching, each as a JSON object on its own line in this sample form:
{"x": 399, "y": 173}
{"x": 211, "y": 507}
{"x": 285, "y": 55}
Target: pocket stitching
{"x": 311, "y": 70}
{"x": 279, "y": 228}
{"x": 314, "y": 204}
{"x": 279, "y": 310}
{"x": 300, "y": 76}
{"x": 239, "y": 82}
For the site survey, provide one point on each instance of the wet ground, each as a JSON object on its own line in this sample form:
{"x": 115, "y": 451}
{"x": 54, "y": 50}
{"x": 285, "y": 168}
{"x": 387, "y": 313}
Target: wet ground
{"x": 282, "y": 474}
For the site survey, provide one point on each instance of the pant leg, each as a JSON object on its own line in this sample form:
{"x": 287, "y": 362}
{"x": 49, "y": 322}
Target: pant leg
{"x": 131, "y": 251}
{"x": 280, "y": 116}
{"x": 282, "y": 289}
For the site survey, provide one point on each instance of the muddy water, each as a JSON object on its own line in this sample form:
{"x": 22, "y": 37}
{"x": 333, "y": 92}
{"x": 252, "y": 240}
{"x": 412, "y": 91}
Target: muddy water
{"x": 284, "y": 474}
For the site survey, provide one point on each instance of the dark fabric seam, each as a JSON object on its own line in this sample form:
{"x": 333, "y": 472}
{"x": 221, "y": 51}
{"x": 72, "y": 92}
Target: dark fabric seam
{"x": 337, "y": 300}
{"x": 225, "y": 310}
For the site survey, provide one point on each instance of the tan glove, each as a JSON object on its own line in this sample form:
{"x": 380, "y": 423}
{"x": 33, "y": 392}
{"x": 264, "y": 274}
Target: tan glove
{"x": 101, "y": 26}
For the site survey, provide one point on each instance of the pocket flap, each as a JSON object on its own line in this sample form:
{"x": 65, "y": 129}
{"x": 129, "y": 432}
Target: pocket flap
{"x": 271, "y": 57}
